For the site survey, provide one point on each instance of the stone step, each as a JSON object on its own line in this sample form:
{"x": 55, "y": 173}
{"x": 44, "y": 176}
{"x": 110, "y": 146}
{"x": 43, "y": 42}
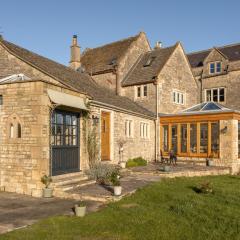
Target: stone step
{"x": 71, "y": 186}
{"x": 69, "y": 180}
{"x": 67, "y": 175}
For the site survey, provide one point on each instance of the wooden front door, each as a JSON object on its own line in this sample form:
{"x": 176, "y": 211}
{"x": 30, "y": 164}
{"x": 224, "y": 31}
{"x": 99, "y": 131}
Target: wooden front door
{"x": 105, "y": 136}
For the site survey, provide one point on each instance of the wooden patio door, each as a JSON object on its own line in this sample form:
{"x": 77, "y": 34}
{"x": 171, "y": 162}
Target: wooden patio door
{"x": 105, "y": 136}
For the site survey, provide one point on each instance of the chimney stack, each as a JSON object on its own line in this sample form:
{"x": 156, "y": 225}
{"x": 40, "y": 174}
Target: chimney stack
{"x": 75, "y": 54}
{"x": 158, "y": 45}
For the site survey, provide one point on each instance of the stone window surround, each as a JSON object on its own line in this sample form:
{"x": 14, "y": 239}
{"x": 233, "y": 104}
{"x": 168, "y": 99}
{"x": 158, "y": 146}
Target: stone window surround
{"x": 218, "y": 94}
{"x": 143, "y": 90}
{"x": 144, "y": 130}
{"x": 14, "y": 128}
{"x": 129, "y": 128}
{"x": 181, "y": 100}
{"x": 215, "y": 68}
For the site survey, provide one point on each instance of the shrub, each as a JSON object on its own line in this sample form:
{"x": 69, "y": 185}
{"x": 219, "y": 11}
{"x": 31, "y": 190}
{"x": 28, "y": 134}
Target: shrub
{"x": 115, "y": 178}
{"x": 135, "y": 162}
{"x": 205, "y": 188}
{"x": 46, "y": 180}
{"x": 100, "y": 172}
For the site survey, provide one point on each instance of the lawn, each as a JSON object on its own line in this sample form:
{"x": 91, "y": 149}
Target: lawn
{"x": 169, "y": 209}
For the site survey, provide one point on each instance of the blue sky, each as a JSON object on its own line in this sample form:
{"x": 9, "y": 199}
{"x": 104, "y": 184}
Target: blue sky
{"x": 46, "y": 26}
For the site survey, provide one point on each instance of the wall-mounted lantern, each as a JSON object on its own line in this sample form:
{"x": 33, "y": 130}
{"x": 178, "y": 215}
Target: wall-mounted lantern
{"x": 224, "y": 130}
{"x": 95, "y": 119}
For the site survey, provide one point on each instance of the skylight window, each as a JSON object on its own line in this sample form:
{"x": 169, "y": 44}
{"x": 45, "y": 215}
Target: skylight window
{"x": 149, "y": 61}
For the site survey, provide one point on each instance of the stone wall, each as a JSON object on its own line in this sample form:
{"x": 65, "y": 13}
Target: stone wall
{"x": 148, "y": 102}
{"x": 177, "y": 75}
{"x": 107, "y": 80}
{"x": 24, "y": 160}
{"x": 229, "y": 145}
{"x": 135, "y": 146}
{"x": 231, "y": 83}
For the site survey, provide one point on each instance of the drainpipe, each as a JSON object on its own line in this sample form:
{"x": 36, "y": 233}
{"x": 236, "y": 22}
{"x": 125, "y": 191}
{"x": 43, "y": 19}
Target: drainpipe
{"x": 157, "y": 122}
{"x": 201, "y": 87}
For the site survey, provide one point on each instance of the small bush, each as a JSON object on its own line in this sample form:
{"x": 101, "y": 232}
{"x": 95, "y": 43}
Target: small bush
{"x": 46, "y": 180}
{"x": 204, "y": 188}
{"x": 101, "y": 172}
{"x": 115, "y": 178}
{"x": 135, "y": 162}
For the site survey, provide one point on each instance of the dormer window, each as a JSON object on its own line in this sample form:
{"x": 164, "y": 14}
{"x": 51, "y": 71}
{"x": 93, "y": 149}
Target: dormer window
{"x": 215, "y": 67}
{"x": 149, "y": 61}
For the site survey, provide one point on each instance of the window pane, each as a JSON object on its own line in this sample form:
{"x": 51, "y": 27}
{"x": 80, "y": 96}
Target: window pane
{"x": 145, "y": 91}
{"x": 214, "y": 139}
{"x": 165, "y": 138}
{"x": 174, "y": 97}
{"x": 74, "y": 120}
{"x": 174, "y": 138}
{"x": 139, "y": 91}
{"x": 68, "y": 120}
{"x": 221, "y": 95}
{"x": 212, "y": 67}
{"x": 219, "y": 66}
{"x": 193, "y": 138}
{"x": 184, "y": 138}
{"x": 59, "y": 119}
{"x": 215, "y": 95}
{"x": 208, "y": 96}
{"x": 178, "y": 101}
{"x": 203, "y": 137}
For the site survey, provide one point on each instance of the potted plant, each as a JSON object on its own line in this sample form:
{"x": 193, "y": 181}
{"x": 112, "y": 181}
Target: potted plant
{"x": 80, "y": 209}
{"x": 166, "y": 168}
{"x": 47, "y": 192}
{"x": 115, "y": 180}
{"x": 122, "y": 164}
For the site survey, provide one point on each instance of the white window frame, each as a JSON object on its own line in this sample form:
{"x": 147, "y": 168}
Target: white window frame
{"x": 178, "y": 97}
{"x": 144, "y": 130}
{"x": 129, "y": 129}
{"x": 141, "y": 87}
{"x": 218, "y": 94}
{"x": 215, "y": 67}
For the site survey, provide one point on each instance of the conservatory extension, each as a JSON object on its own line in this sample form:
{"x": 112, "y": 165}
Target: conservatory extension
{"x": 206, "y": 130}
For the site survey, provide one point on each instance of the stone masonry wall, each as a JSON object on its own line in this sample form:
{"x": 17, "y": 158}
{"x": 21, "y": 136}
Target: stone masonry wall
{"x": 176, "y": 75}
{"x": 23, "y": 160}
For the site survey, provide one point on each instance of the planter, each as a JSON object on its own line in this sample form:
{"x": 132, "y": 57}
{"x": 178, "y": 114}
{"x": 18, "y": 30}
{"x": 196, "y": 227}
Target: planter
{"x": 47, "y": 192}
{"x": 117, "y": 190}
{"x": 166, "y": 168}
{"x": 80, "y": 211}
{"x": 209, "y": 163}
{"x": 122, "y": 164}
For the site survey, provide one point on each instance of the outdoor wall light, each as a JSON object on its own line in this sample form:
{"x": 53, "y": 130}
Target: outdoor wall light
{"x": 95, "y": 120}
{"x": 224, "y": 130}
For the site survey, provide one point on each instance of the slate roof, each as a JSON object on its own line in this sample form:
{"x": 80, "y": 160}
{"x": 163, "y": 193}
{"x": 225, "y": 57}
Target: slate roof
{"x": 105, "y": 58}
{"x": 81, "y": 82}
{"x": 232, "y": 52}
{"x": 140, "y": 73}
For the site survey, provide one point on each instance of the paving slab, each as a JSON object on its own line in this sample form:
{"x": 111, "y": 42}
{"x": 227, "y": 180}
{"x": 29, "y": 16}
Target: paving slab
{"x": 17, "y": 210}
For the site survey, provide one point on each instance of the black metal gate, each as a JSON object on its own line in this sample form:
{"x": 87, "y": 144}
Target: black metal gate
{"x": 65, "y": 142}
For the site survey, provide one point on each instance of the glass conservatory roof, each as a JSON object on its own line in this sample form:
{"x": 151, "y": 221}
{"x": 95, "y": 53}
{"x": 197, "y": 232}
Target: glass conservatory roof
{"x": 206, "y": 106}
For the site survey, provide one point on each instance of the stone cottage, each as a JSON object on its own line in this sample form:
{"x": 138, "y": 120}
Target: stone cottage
{"x": 122, "y": 93}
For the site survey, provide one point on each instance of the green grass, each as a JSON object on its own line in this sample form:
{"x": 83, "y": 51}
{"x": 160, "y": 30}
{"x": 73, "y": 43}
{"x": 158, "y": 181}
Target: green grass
{"x": 169, "y": 210}
{"x": 136, "y": 162}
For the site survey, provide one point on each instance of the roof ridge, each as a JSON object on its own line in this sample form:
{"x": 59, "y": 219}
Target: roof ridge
{"x": 218, "y": 47}
{"x": 111, "y": 43}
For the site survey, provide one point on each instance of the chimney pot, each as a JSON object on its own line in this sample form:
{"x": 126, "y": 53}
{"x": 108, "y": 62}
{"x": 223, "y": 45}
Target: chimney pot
{"x": 158, "y": 45}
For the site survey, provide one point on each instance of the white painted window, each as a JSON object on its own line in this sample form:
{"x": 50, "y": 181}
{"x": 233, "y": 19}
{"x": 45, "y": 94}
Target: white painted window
{"x": 144, "y": 130}
{"x": 129, "y": 128}
{"x": 215, "y": 67}
{"x": 141, "y": 91}
{"x": 215, "y": 95}
{"x": 178, "y": 97}
{"x": 11, "y": 131}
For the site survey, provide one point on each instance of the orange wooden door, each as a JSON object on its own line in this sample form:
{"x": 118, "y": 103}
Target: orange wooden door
{"x": 105, "y": 136}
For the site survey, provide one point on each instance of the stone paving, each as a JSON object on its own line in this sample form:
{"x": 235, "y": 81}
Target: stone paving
{"x": 17, "y": 210}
